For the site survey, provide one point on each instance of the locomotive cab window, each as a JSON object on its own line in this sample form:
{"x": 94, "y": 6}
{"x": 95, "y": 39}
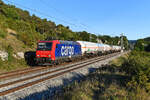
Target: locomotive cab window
{"x": 44, "y": 46}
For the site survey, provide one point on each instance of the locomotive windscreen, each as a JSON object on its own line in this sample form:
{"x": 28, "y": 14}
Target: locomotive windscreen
{"x": 44, "y": 46}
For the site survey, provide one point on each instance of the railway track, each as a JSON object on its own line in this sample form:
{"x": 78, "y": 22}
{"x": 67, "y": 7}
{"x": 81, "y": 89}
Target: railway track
{"x": 46, "y": 74}
{"x": 24, "y": 71}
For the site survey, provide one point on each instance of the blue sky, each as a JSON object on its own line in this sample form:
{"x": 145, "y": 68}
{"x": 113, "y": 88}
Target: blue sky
{"x": 103, "y": 17}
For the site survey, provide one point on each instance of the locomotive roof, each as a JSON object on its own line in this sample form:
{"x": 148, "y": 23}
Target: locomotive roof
{"x": 62, "y": 42}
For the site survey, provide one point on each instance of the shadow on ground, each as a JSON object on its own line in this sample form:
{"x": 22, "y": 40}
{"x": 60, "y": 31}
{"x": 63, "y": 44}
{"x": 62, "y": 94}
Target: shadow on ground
{"x": 109, "y": 76}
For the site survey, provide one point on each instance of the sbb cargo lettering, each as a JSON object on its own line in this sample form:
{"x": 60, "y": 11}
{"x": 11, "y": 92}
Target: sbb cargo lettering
{"x": 67, "y": 50}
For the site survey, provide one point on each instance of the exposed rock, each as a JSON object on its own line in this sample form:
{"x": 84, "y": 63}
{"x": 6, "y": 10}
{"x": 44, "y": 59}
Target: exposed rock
{"x": 99, "y": 41}
{"x": 14, "y": 55}
{"x": 3, "y": 55}
{"x": 20, "y": 55}
{"x": 11, "y": 31}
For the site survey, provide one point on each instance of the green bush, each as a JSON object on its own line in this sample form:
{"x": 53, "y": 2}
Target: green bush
{"x": 3, "y": 33}
{"x": 10, "y": 11}
{"x": 10, "y": 53}
{"x": 138, "y": 67}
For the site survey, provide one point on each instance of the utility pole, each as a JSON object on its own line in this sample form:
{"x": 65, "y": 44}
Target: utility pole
{"x": 122, "y": 46}
{"x": 90, "y": 38}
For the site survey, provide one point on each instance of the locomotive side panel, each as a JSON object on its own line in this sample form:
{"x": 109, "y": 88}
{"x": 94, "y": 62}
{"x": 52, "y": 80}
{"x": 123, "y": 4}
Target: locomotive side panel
{"x": 67, "y": 50}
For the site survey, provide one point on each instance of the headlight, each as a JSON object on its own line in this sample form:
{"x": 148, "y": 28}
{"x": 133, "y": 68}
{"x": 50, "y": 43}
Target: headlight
{"x": 38, "y": 55}
{"x": 49, "y": 55}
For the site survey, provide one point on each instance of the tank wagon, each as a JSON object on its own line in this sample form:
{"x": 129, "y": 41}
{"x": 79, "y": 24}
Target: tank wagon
{"x": 89, "y": 47}
{"x": 57, "y": 51}
{"x": 116, "y": 48}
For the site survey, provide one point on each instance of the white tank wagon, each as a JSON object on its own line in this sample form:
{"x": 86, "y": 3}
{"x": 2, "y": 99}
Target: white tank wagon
{"x": 116, "y": 48}
{"x": 101, "y": 48}
{"x": 90, "y": 47}
{"x": 107, "y": 48}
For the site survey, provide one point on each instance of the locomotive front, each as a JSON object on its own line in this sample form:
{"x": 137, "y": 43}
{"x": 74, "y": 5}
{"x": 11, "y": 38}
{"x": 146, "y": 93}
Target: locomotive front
{"x": 44, "y": 52}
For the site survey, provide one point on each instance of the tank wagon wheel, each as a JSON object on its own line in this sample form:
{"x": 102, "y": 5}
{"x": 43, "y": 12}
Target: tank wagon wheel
{"x": 57, "y": 62}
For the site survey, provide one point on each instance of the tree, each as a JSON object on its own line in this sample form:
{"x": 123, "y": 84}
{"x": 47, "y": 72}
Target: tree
{"x": 140, "y": 45}
{"x": 125, "y": 42}
{"x": 147, "y": 48}
{"x": 85, "y": 36}
{"x": 1, "y": 2}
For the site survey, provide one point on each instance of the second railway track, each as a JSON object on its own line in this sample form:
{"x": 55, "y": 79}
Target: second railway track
{"x": 12, "y": 86}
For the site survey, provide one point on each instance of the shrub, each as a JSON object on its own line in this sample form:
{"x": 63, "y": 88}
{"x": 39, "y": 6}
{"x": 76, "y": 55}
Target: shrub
{"x": 10, "y": 53}
{"x": 147, "y": 48}
{"x": 137, "y": 66}
{"x": 10, "y": 12}
{"x": 3, "y": 33}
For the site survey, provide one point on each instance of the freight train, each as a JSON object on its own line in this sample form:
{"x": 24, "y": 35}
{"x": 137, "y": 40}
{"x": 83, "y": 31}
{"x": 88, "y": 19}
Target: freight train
{"x": 58, "y": 51}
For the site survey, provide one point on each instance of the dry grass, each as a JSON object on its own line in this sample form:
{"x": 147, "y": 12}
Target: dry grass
{"x": 12, "y": 40}
{"x": 17, "y": 46}
{"x": 15, "y": 64}
{"x": 118, "y": 62}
